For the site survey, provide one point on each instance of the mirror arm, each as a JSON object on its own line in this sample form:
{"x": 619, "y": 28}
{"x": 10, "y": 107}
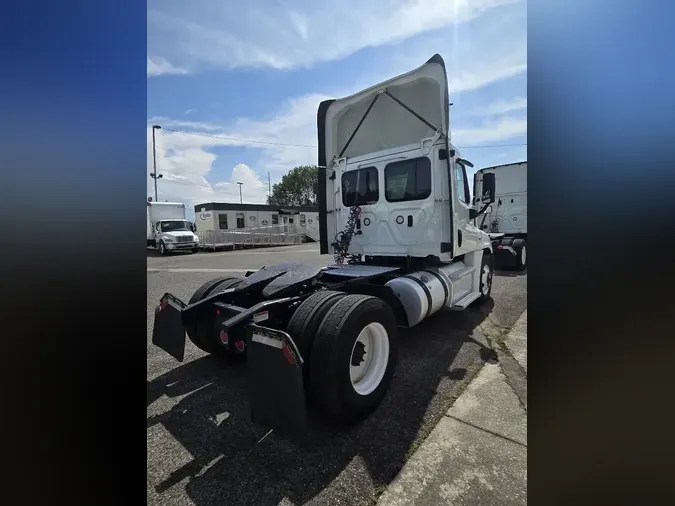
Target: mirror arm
{"x": 473, "y": 213}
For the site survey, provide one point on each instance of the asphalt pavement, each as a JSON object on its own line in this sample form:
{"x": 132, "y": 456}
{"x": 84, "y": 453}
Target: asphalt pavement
{"x": 203, "y": 449}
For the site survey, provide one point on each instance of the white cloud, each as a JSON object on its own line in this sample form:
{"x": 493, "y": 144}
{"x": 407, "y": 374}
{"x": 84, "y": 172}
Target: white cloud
{"x": 184, "y": 163}
{"x": 294, "y": 33}
{"x": 500, "y": 107}
{"x": 158, "y": 66}
{"x": 489, "y": 132}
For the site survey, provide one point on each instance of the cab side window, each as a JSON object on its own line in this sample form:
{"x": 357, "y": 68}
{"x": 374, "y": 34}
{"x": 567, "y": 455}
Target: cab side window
{"x": 462, "y": 184}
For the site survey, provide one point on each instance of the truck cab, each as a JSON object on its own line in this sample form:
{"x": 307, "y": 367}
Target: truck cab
{"x": 168, "y": 230}
{"x": 387, "y": 150}
{"x": 175, "y": 235}
{"x": 505, "y": 220}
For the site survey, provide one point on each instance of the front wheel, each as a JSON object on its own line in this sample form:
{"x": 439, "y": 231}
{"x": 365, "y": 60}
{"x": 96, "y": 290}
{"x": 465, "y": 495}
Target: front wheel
{"x": 521, "y": 254}
{"x": 486, "y": 273}
{"x": 353, "y": 357}
{"x": 162, "y": 248}
{"x": 195, "y": 250}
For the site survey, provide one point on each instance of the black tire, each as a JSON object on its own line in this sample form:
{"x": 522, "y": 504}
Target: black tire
{"x": 202, "y": 331}
{"x": 520, "y": 245}
{"x": 162, "y": 249}
{"x": 486, "y": 263}
{"x": 305, "y": 322}
{"x": 330, "y": 382}
{"x": 195, "y": 250}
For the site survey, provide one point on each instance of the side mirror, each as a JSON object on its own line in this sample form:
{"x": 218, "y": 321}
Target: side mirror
{"x": 488, "y": 188}
{"x": 487, "y": 195}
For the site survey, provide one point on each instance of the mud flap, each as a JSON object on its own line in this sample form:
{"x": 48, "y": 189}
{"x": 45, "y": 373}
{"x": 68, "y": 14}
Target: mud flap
{"x": 276, "y": 388}
{"x": 168, "y": 332}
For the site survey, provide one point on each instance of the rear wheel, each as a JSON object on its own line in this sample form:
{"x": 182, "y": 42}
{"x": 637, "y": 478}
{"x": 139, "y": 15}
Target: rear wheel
{"x": 305, "y": 322}
{"x": 353, "y": 357}
{"x": 203, "y": 331}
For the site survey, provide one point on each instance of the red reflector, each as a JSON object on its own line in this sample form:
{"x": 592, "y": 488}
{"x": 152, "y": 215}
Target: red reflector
{"x": 288, "y": 355}
{"x": 240, "y": 345}
{"x": 500, "y": 247}
{"x": 224, "y": 338}
{"x": 217, "y": 312}
{"x": 162, "y": 305}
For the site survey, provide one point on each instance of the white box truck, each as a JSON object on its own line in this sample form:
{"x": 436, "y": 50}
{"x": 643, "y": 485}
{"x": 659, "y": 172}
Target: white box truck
{"x": 506, "y": 220}
{"x": 168, "y": 230}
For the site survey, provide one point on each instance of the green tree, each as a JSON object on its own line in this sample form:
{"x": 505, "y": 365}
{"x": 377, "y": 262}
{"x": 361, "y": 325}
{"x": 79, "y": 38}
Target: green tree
{"x": 296, "y": 188}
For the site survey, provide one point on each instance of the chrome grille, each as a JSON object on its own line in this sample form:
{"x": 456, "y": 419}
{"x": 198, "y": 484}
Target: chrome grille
{"x": 184, "y": 238}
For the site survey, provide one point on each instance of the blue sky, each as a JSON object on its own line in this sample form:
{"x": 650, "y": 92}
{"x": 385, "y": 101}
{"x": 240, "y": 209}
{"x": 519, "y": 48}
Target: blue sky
{"x": 256, "y": 71}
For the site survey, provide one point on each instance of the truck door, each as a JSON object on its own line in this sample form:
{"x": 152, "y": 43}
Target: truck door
{"x": 466, "y": 235}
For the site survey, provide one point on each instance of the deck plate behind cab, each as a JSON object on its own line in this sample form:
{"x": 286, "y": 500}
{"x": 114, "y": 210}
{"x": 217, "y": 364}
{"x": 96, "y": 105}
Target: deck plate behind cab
{"x": 282, "y": 277}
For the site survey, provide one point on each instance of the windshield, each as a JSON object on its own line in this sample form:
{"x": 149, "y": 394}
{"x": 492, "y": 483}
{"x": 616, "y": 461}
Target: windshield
{"x": 174, "y": 226}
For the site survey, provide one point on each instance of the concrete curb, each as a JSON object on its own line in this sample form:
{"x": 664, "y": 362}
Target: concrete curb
{"x": 477, "y": 454}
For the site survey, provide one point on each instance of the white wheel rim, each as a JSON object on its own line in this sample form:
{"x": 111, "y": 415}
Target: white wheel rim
{"x": 523, "y": 255}
{"x": 485, "y": 279}
{"x": 372, "y": 348}
{"x": 161, "y": 248}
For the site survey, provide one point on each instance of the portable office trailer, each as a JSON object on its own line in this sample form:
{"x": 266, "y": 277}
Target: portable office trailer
{"x": 226, "y": 216}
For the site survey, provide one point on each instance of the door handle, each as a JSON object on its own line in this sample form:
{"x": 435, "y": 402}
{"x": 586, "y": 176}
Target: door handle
{"x": 459, "y": 238}
{"x": 410, "y": 220}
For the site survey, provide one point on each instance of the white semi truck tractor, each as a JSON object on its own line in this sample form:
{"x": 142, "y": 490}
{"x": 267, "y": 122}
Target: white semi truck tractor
{"x": 395, "y": 213}
{"x": 506, "y": 219}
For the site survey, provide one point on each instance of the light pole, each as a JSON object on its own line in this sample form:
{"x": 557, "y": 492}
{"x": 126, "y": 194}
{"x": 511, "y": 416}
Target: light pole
{"x": 241, "y": 201}
{"x": 154, "y": 159}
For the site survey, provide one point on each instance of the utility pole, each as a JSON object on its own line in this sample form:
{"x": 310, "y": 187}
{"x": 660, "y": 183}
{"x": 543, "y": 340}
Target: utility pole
{"x": 241, "y": 200}
{"x": 154, "y": 159}
{"x": 269, "y": 185}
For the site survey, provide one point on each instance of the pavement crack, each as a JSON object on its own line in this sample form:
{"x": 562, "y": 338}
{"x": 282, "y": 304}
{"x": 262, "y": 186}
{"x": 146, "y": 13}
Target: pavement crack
{"x": 497, "y": 434}
{"x": 516, "y": 377}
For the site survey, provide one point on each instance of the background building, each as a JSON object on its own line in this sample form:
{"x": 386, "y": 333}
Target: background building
{"x": 226, "y": 216}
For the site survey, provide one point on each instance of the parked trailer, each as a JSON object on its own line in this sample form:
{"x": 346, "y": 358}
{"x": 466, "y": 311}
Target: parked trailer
{"x": 395, "y": 212}
{"x": 506, "y": 220}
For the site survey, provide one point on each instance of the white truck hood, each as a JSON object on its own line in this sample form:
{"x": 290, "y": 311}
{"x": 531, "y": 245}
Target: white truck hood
{"x": 387, "y": 123}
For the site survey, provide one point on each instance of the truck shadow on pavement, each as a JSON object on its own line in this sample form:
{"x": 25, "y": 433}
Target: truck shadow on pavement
{"x": 236, "y": 462}
{"x": 510, "y": 274}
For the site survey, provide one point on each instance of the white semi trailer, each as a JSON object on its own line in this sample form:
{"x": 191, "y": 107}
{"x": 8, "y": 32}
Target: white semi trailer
{"x": 168, "y": 230}
{"x": 395, "y": 212}
{"x": 506, "y": 219}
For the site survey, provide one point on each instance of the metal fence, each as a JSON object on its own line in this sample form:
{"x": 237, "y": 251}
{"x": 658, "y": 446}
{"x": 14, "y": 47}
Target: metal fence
{"x": 274, "y": 235}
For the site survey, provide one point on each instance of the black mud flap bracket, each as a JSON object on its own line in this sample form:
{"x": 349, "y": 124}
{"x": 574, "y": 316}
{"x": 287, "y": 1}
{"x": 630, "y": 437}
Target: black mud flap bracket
{"x": 168, "y": 332}
{"x": 276, "y": 391}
